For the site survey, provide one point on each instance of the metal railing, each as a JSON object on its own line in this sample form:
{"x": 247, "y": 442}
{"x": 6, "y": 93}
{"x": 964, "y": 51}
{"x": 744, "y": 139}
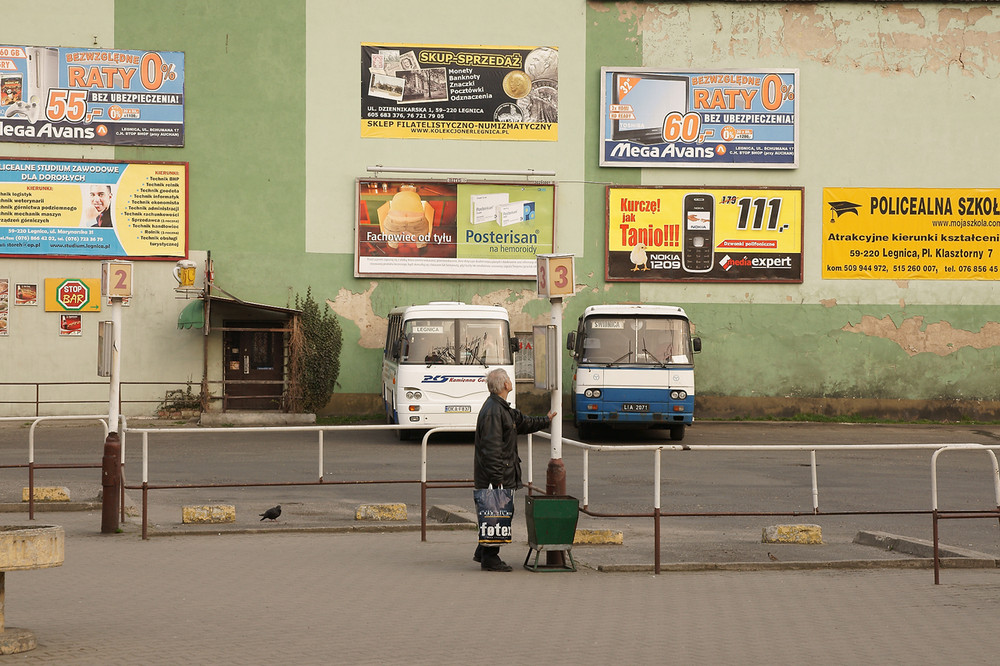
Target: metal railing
{"x": 428, "y": 484}
{"x": 423, "y": 481}
{"x": 35, "y": 396}
{"x": 31, "y": 465}
{"x": 658, "y": 449}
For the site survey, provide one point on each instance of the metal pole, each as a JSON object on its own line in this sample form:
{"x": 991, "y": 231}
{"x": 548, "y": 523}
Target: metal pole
{"x": 111, "y": 463}
{"x": 555, "y": 475}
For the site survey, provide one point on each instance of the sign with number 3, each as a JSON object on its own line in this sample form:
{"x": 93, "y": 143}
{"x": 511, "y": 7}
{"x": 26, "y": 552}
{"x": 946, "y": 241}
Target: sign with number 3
{"x": 555, "y": 275}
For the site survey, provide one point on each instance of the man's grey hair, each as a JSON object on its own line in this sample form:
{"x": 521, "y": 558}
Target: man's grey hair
{"x": 496, "y": 380}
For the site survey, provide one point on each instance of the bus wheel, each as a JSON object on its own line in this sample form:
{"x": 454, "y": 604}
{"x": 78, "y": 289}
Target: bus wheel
{"x": 677, "y": 432}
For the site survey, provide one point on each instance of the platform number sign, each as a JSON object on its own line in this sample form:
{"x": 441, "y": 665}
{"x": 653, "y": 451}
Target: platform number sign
{"x": 555, "y": 275}
{"x": 116, "y": 279}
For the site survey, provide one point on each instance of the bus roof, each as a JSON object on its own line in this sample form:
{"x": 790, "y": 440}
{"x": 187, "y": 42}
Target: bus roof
{"x": 451, "y": 309}
{"x": 635, "y": 309}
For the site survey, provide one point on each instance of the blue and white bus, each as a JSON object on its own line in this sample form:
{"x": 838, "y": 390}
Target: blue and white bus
{"x": 435, "y": 362}
{"x": 633, "y": 366}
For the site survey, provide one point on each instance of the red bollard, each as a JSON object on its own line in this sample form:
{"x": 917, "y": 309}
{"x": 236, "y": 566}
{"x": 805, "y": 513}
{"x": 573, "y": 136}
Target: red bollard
{"x": 110, "y": 480}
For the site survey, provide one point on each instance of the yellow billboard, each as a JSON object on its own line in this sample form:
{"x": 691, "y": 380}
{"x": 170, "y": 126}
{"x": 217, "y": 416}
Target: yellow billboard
{"x": 911, "y": 233}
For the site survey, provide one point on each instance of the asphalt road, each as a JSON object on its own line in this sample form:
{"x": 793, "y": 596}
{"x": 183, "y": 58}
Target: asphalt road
{"x": 621, "y": 482}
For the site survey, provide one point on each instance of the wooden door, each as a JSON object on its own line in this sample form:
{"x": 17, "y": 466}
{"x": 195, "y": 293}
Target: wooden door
{"x": 254, "y": 367}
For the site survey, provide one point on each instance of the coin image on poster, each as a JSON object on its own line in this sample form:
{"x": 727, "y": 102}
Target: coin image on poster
{"x": 516, "y": 84}
{"x": 508, "y": 113}
{"x": 541, "y": 104}
{"x": 542, "y": 63}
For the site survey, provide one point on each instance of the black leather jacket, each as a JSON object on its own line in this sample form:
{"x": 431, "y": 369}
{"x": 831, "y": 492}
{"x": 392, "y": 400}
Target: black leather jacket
{"x": 496, "y": 459}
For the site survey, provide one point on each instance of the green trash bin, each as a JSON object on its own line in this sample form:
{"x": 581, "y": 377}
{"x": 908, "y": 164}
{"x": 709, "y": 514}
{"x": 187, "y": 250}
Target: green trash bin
{"x": 551, "y": 522}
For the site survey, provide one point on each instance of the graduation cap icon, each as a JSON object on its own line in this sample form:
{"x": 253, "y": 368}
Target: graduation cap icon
{"x": 841, "y": 207}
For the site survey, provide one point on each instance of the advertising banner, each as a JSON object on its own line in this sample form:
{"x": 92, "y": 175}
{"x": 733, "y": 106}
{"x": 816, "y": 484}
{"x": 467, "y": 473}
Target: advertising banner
{"x": 874, "y": 233}
{"x": 421, "y": 91}
{"x": 72, "y": 295}
{"x": 676, "y": 234}
{"x": 710, "y": 118}
{"x": 63, "y": 208}
{"x": 91, "y": 96}
{"x": 442, "y": 229}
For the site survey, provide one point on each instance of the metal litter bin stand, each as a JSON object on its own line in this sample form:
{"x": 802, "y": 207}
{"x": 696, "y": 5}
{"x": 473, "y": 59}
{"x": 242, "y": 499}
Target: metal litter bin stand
{"x": 551, "y": 522}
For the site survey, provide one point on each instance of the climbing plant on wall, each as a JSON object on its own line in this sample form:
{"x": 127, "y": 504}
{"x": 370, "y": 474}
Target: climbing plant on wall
{"x": 315, "y": 355}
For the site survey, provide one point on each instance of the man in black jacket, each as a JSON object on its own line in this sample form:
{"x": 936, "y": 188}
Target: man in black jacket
{"x": 496, "y": 459}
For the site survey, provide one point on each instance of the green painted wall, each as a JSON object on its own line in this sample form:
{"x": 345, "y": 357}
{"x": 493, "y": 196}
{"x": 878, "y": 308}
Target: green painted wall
{"x": 891, "y": 95}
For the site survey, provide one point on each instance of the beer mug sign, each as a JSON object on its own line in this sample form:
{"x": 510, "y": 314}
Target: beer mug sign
{"x": 184, "y": 272}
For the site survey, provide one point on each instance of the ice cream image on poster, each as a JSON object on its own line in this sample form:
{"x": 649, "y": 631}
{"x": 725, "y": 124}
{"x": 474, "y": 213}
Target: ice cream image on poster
{"x": 650, "y": 98}
{"x": 699, "y": 232}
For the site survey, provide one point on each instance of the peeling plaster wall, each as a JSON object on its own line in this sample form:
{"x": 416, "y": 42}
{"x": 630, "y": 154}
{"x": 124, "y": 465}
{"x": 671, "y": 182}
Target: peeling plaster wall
{"x": 891, "y": 95}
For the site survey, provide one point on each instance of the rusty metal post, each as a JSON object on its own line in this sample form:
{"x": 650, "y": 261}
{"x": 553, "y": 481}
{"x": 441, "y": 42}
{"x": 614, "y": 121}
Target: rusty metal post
{"x": 555, "y": 484}
{"x": 110, "y": 481}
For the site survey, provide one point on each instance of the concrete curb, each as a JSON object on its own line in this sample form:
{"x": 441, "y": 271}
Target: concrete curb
{"x": 916, "y": 547}
{"x": 946, "y": 563}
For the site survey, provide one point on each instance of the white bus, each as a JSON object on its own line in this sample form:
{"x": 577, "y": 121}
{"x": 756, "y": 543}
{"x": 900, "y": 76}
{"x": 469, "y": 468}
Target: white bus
{"x": 435, "y": 362}
{"x": 633, "y": 366}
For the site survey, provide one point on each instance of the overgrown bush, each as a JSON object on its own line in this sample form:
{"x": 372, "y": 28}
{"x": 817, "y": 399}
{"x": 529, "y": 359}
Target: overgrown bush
{"x": 315, "y": 345}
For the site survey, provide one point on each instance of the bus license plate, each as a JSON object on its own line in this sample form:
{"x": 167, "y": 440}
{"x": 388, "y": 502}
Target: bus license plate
{"x": 635, "y": 407}
{"x": 457, "y": 409}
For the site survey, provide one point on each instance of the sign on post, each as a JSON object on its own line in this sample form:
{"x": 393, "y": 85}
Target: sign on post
{"x": 555, "y": 275}
{"x": 116, "y": 279}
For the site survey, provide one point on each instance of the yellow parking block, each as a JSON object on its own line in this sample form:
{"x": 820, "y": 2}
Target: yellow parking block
{"x": 47, "y": 494}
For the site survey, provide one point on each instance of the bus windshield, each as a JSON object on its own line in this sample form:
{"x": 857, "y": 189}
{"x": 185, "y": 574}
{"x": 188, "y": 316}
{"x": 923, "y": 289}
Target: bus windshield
{"x": 455, "y": 342}
{"x": 618, "y": 339}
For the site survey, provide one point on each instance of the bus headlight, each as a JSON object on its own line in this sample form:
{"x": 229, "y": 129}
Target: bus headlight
{"x": 413, "y": 395}
{"x": 592, "y": 393}
{"x": 678, "y": 395}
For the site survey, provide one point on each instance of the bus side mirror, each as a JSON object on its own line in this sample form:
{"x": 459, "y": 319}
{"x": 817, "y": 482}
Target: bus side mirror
{"x": 696, "y": 343}
{"x": 515, "y": 346}
{"x": 395, "y": 349}
{"x": 571, "y": 340}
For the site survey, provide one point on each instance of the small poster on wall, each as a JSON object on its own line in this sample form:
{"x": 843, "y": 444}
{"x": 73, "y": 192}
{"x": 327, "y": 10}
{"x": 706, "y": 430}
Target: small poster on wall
{"x": 70, "y": 325}
{"x": 25, "y": 294}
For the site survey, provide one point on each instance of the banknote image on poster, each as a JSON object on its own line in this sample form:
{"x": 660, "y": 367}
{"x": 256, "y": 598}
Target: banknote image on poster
{"x": 91, "y": 96}
{"x": 677, "y": 234}
{"x": 876, "y": 233}
{"x": 421, "y": 91}
{"x": 435, "y": 228}
{"x": 712, "y": 118}
{"x": 64, "y": 208}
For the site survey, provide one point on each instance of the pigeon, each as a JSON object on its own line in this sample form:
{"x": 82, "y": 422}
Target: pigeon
{"x": 271, "y": 513}
{"x": 773, "y": 558}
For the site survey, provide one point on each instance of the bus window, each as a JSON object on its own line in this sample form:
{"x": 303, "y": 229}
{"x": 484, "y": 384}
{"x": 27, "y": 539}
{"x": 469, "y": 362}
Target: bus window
{"x": 483, "y": 342}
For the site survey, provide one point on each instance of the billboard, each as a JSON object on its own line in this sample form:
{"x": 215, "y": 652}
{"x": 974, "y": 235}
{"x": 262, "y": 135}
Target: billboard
{"x": 681, "y": 234}
{"x": 882, "y": 233}
{"x": 434, "y": 228}
{"x": 91, "y": 96}
{"x": 95, "y": 209}
{"x": 423, "y": 91}
{"x": 711, "y": 118}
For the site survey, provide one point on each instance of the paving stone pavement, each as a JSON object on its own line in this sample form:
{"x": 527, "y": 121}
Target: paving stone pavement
{"x": 371, "y": 598}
